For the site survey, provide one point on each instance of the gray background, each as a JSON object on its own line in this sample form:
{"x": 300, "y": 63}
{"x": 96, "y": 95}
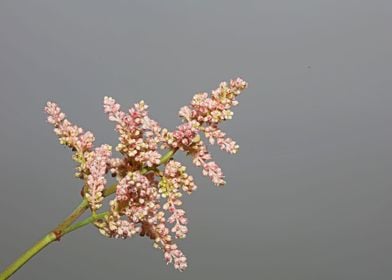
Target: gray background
{"x": 309, "y": 195}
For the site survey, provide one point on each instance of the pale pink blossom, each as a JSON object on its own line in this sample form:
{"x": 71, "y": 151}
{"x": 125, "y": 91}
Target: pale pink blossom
{"x": 139, "y": 135}
{"x": 185, "y": 134}
{"x": 116, "y": 165}
{"x": 85, "y": 142}
{"x": 204, "y": 114}
{"x": 113, "y": 109}
{"x": 238, "y": 84}
{"x": 228, "y": 145}
{"x": 149, "y": 158}
{"x": 173, "y": 254}
{"x": 200, "y": 154}
{"x": 186, "y": 113}
{"x": 176, "y": 176}
{"x": 55, "y": 116}
{"x": 212, "y": 170}
{"x": 140, "y": 194}
{"x": 173, "y": 168}
{"x": 69, "y": 134}
{"x": 72, "y": 136}
{"x": 162, "y": 239}
{"x": 124, "y": 229}
{"x": 97, "y": 166}
{"x": 213, "y": 134}
{"x": 178, "y": 217}
{"x": 114, "y": 226}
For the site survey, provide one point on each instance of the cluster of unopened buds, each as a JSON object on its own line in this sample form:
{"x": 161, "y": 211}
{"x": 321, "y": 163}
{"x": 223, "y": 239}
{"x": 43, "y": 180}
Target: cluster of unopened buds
{"x": 149, "y": 182}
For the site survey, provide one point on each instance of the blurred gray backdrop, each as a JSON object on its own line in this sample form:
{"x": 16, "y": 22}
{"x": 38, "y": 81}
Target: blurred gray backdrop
{"x": 309, "y": 196}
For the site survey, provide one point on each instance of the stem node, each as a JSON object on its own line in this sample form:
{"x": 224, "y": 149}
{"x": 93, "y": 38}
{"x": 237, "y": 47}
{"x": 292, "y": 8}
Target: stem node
{"x": 58, "y": 234}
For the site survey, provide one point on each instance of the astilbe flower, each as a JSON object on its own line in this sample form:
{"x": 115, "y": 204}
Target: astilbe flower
{"x": 147, "y": 197}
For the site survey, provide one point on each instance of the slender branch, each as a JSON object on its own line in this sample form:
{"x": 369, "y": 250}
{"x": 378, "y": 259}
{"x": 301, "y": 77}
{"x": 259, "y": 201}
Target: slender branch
{"x": 166, "y": 157}
{"x": 85, "y": 222}
{"x": 59, "y": 230}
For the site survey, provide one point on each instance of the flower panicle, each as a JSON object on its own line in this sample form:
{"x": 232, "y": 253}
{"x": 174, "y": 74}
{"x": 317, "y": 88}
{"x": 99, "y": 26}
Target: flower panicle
{"x": 149, "y": 187}
{"x": 71, "y": 136}
{"x": 138, "y": 134}
{"x": 203, "y": 115}
{"x": 97, "y": 164}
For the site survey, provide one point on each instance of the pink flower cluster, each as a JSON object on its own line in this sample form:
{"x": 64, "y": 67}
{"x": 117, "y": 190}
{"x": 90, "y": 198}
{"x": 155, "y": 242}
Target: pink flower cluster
{"x": 204, "y": 114}
{"x": 72, "y": 136}
{"x": 149, "y": 186}
{"x": 139, "y": 135}
{"x": 97, "y": 164}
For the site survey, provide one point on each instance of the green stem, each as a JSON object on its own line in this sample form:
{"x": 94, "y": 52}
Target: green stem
{"x": 12, "y": 268}
{"x": 55, "y": 234}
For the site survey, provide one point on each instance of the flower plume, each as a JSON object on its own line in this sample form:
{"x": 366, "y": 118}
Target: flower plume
{"x": 149, "y": 182}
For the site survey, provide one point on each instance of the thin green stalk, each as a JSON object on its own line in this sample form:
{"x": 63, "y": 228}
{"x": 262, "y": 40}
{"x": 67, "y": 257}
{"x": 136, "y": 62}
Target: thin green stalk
{"x": 166, "y": 157}
{"x": 12, "y": 268}
{"x": 59, "y": 230}
{"x": 55, "y": 234}
{"x": 85, "y": 222}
